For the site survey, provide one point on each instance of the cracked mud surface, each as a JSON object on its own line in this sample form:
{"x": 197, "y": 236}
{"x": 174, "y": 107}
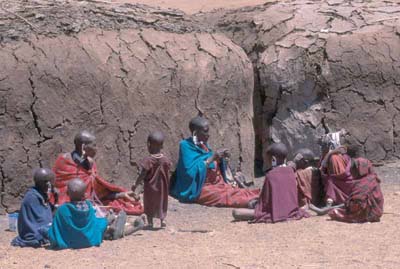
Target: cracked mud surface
{"x": 322, "y": 66}
{"x": 122, "y": 84}
{"x": 122, "y": 70}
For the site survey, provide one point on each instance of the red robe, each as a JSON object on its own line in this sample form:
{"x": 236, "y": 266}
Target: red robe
{"x": 365, "y": 203}
{"x": 279, "y": 199}
{"x": 216, "y": 192}
{"x": 156, "y": 186}
{"x": 309, "y": 186}
{"x": 337, "y": 179}
{"x": 97, "y": 188}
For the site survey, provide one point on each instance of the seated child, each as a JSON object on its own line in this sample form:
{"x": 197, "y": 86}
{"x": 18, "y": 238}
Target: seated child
{"x": 278, "y": 199}
{"x": 309, "y": 182}
{"x": 35, "y": 215}
{"x": 76, "y": 225}
{"x": 155, "y": 175}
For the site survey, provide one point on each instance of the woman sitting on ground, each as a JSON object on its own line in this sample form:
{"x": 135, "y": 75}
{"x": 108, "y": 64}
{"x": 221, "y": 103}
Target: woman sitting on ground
{"x": 200, "y": 173}
{"x": 80, "y": 163}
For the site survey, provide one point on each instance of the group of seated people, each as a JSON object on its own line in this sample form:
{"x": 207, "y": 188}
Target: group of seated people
{"x": 71, "y": 206}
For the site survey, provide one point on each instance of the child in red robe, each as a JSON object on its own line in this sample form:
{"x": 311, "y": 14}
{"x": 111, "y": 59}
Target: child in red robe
{"x": 278, "y": 200}
{"x": 155, "y": 177}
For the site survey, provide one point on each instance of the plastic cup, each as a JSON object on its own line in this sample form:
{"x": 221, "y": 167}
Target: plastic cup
{"x": 12, "y": 221}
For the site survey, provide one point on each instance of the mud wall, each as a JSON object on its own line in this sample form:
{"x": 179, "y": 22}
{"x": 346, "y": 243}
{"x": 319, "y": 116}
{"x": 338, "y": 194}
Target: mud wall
{"x": 322, "y": 66}
{"x": 121, "y": 85}
{"x": 124, "y": 70}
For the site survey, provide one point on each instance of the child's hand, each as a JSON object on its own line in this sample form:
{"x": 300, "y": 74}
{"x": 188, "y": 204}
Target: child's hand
{"x": 133, "y": 195}
{"x": 126, "y": 195}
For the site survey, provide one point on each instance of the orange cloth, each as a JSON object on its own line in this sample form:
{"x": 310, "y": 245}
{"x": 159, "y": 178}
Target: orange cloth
{"x": 97, "y": 188}
{"x": 309, "y": 186}
{"x": 336, "y": 165}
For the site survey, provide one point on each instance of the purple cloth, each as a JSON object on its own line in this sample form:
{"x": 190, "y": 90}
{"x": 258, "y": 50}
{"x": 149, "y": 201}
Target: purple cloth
{"x": 278, "y": 199}
{"x": 339, "y": 187}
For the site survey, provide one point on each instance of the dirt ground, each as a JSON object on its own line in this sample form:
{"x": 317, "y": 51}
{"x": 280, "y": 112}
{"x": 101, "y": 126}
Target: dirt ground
{"x": 192, "y": 7}
{"x": 202, "y": 237}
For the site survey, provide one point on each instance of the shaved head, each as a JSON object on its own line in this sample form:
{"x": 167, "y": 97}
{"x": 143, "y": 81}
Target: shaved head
{"x": 156, "y": 137}
{"x": 43, "y": 178}
{"x": 197, "y": 123}
{"x": 307, "y": 154}
{"x": 84, "y": 137}
{"x": 303, "y": 158}
{"x": 278, "y": 150}
{"x": 76, "y": 189}
{"x": 155, "y": 142}
{"x": 43, "y": 174}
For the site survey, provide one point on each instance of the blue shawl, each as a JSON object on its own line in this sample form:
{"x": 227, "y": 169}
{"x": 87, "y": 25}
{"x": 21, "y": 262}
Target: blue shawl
{"x": 75, "y": 225}
{"x": 34, "y": 219}
{"x": 191, "y": 171}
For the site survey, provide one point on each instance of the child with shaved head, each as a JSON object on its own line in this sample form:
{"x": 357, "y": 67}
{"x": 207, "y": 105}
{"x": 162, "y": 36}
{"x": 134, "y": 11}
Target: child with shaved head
{"x": 154, "y": 175}
{"x": 35, "y": 215}
{"x": 309, "y": 183}
{"x": 76, "y": 225}
{"x": 278, "y": 198}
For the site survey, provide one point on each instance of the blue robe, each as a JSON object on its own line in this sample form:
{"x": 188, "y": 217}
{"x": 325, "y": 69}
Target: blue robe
{"x": 191, "y": 171}
{"x": 34, "y": 220}
{"x": 75, "y": 225}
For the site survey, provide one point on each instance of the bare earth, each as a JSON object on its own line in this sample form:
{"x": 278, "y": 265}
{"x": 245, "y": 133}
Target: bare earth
{"x": 194, "y": 6}
{"x": 201, "y": 237}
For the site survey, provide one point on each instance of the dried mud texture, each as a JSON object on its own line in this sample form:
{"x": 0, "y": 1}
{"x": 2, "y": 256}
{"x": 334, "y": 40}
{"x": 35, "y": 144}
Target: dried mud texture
{"x": 51, "y": 18}
{"x": 121, "y": 84}
{"x": 322, "y": 66}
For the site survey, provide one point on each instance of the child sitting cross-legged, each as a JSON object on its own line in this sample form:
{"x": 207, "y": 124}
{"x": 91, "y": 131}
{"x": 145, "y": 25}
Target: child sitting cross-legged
{"x": 75, "y": 224}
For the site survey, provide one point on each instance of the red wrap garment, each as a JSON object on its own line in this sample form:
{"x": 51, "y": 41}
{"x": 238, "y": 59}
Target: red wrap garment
{"x": 337, "y": 179}
{"x": 365, "y": 203}
{"x": 216, "y": 192}
{"x": 309, "y": 186}
{"x": 156, "y": 185}
{"x": 279, "y": 198}
{"x": 98, "y": 189}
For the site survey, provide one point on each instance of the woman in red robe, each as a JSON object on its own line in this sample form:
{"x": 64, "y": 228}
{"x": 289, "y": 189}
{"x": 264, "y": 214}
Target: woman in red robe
{"x": 80, "y": 164}
{"x": 365, "y": 203}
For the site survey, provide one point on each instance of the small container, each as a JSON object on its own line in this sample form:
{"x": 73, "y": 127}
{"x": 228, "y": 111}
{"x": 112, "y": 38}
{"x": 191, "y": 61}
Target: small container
{"x": 12, "y": 221}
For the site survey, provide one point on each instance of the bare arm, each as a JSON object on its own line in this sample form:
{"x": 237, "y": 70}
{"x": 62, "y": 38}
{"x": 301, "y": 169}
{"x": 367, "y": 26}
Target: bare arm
{"x": 138, "y": 187}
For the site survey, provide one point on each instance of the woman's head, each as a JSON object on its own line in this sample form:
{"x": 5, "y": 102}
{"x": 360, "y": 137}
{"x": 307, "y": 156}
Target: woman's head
{"x": 199, "y": 127}
{"x": 85, "y": 141}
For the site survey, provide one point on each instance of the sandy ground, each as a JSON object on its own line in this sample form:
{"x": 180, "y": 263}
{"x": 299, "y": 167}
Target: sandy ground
{"x": 194, "y": 6}
{"x": 316, "y": 242}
